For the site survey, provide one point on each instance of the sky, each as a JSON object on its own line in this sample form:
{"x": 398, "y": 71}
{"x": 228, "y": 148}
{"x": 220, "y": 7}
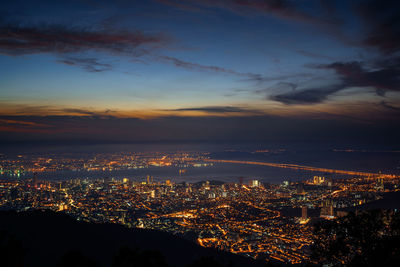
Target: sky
{"x": 200, "y": 70}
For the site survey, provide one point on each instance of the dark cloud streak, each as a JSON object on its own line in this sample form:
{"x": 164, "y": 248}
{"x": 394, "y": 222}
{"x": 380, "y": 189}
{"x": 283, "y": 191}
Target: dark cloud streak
{"x": 199, "y": 67}
{"x": 390, "y": 107}
{"x": 88, "y": 64}
{"x": 307, "y": 96}
{"x": 386, "y": 78}
{"x": 220, "y": 109}
{"x": 19, "y": 39}
{"x": 383, "y": 76}
{"x": 279, "y": 8}
{"x": 382, "y": 21}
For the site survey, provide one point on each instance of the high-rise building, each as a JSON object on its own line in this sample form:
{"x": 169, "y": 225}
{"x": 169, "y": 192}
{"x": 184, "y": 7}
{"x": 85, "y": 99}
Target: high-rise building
{"x": 206, "y": 185}
{"x": 318, "y": 180}
{"x": 304, "y": 213}
{"x": 300, "y": 189}
{"x": 327, "y": 209}
{"x": 380, "y": 186}
{"x": 255, "y": 183}
{"x": 35, "y": 181}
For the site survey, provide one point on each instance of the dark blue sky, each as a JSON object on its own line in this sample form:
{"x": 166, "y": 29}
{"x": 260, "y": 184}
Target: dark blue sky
{"x": 243, "y": 70}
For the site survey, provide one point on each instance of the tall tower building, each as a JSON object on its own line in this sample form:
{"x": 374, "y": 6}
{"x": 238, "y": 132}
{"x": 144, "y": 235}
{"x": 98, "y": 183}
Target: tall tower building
{"x": 304, "y": 213}
{"x": 35, "y": 181}
{"x": 255, "y": 183}
{"x": 327, "y": 209}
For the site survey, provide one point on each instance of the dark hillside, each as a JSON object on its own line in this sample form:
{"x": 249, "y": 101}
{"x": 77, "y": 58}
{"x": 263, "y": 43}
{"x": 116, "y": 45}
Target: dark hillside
{"x": 44, "y": 238}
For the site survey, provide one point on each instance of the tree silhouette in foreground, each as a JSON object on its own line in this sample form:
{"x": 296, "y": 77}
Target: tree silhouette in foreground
{"x": 369, "y": 238}
{"x": 208, "y": 262}
{"x": 77, "y": 259}
{"x": 127, "y": 257}
{"x": 12, "y": 252}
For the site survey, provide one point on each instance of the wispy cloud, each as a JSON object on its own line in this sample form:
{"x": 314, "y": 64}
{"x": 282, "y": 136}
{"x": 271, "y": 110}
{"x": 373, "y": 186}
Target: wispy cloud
{"x": 199, "y": 67}
{"x": 181, "y": 5}
{"x": 88, "y": 64}
{"x": 87, "y": 112}
{"x": 279, "y": 8}
{"x": 66, "y": 42}
{"x": 24, "y": 125}
{"x": 21, "y": 123}
{"x": 313, "y": 55}
{"x": 220, "y": 110}
{"x": 390, "y": 107}
{"x": 71, "y": 44}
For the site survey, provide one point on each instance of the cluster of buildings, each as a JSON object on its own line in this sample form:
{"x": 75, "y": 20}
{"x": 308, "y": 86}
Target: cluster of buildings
{"x": 260, "y": 220}
{"x": 18, "y": 165}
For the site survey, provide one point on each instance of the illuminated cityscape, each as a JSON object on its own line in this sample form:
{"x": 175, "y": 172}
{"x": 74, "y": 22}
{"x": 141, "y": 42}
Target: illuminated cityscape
{"x": 272, "y": 222}
{"x": 199, "y": 133}
{"x": 17, "y": 165}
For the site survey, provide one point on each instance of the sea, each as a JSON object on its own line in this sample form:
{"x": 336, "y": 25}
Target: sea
{"x": 366, "y": 159}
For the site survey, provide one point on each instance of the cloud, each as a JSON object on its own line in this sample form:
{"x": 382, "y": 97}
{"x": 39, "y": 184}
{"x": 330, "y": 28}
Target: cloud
{"x": 17, "y": 124}
{"x": 248, "y": 76}
{"x": 7, "y": 109}
{"x": 21, "y": 123}
{"x": 255, "y": 128}
{"x": 382, "y": 20}
{"x": 88, "y": 64}
{"x": 390, "y": 107}
{"x": 383, "y": 76}
{"x": 279, "y": 8}
{"x": 19, "y": 39}
{"x": 382, "y": 25}
{"x": 219, "y": 109}
{"x": 307, "y": 96}
{"x": 182, "y": 6}
{"x": 199, "y": 67}
{"x": 84, "y": 112}
{"x": 313, "y": 54}
{"x": 281, "y": 86}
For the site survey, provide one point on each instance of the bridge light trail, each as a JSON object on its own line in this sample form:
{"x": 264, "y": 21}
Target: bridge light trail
{"x": 303, "y": 168}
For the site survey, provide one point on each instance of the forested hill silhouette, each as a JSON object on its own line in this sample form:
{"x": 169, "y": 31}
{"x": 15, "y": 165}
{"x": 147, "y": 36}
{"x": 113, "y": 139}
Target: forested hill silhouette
{"x": 390, "y": 201}
{"x": 45, "y": 238}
